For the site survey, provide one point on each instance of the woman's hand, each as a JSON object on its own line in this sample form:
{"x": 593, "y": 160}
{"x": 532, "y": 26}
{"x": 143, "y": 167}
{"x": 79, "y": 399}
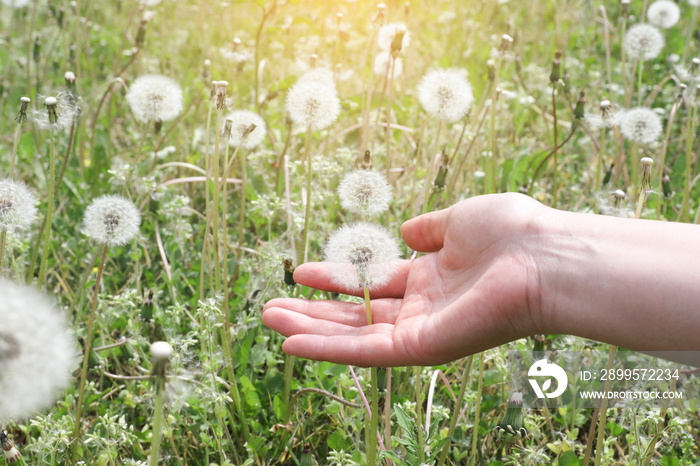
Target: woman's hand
{"x": 478, "y": 287}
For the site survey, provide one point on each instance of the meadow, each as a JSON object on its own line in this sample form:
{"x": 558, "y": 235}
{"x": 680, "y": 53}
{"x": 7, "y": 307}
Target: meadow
{"x": 167, "y": 164}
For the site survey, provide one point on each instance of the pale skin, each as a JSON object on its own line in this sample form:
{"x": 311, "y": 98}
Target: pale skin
{"x": 501, "y": 267}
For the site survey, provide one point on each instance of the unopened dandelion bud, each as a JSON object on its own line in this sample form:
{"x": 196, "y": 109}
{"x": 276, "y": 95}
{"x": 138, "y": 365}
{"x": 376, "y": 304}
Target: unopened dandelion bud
{"x": 695, "y": 65}
{"x": 22, "y": 115}
{"x": 538, "y": 347}
{"x": 646, "y": 162}
{"x": 397, "y": 43}
{"x": 618, "y": 197}
{"x": 367, "y": 160}
{"x": 307, "y": 458}
{"x": 221, "y": 94}
{"x": 555, "y": 75}
{"x": 518, "y": 64}
{"x": 579, "y": 110}
{"x": 491, "y": 65}
{"x": 51, "y": 109}
{"x": 147, "y": 307}
{"x": 236, "y": 42}
{"x": 60, "y": 16}
{"x": 666, "y": 185}
{"x": 12, "y": 455}
{"x": 288, "y": 272}
{"x": 608, "y": 174}
{"x": 605, "y": 106}
{"x": 511, "y": 429}
{"x": 624, "y": 5}
{"x": 441, "y": 177}
{"x": 141, "y": 33}
{"x": 228, "y": 125}
{"x": 697, "y": 92}
{"x": 506, "y": 43}
{"x": 382, "y": 374}
{"x": 36, "y": 50}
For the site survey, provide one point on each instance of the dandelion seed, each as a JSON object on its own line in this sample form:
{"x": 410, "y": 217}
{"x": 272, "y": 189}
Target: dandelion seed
{"x": 389, "y": 32}
{"x": 643, "y": 42}
{"x": 36, "y": 354}
{"x": 382, "y": 65}
{"x": 314, "y": 105}
{"x": 363, "y": 254}
{"x": 663, "y": 13}
{"x": 112, "y": 220}
{"x": 365, "y": 192}
{"x": 240, "y": 122}
{"x": 58, "y": 112}
{"x": 154, "y": 98}
{"x": 641, "y": 125}
{"x": 608, "y": 117}
{"x": 446, "y": 94}
{"x": 17, "y": 206}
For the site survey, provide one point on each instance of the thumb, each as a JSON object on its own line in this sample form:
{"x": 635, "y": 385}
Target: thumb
{"x": 426, "y": 233}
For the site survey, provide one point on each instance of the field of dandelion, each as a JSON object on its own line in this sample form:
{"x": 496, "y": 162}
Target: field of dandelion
{"x": 167, "y": 164}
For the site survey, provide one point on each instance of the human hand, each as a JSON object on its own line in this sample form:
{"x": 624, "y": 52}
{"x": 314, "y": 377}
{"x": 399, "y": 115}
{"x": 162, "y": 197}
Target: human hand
{"x": 476, "y": 289}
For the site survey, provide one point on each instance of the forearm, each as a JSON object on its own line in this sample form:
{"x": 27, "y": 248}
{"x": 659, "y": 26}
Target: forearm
{"x": 633, "y": 283}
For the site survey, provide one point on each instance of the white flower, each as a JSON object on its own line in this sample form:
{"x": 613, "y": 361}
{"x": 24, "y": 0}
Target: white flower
{"x": 57, "y": 112}
{"x": 112, "y": 220}
{"x": 382, "y": 65}
{"x": 643, "y": 42}
{"x": 16, "y": 3}
{"x": 446, "y": 94}
{"x": 36, "y": 353}
{"x": 17, "y": 206}
{"x": 365, "y": 192}
{"x": 363, "y": 254}
{"x": 313, "y": 104}
{"x": 387, "y": 34}
{"x": 663, "y": 13}
{"x": 242, "y": 119}
{"x": 641, "y": 125}
{"x": 154, "y": 98}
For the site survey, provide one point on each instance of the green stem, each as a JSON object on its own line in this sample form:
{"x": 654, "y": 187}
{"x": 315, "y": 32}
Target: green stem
{"x": 419, "y": 415}
{"x": 205, "y": 253}
{"x": 388, "y": 117}
{"x": 475, "y": 435}
{"x": 599, "y": 167}
{"x": 15, "y": 144}
{"x": 457, "y": 410}
{"x": 301, "y": 250}
{"x": 3, "y": 238}
{"x": 684, "y": 215}
{"x": 86, "y": 353}
{"x": 157, "y": 419}
{"x": 604, "y": 409}
{"x": 49, "y": 212}
{"x": 374, "y": 420}
{"x": 640, "y": 71}
{"x": 215, "y": 200}
{"x": 241, "y": 218}
{"x": 555, "y": 173}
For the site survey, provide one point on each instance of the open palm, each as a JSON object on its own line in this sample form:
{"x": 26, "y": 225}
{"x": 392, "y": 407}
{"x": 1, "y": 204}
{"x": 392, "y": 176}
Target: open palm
{"x": 477, "y": 288}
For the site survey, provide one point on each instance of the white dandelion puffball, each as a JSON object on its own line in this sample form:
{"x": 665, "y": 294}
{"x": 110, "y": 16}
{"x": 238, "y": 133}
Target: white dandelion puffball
{"x": 694, "y": 2}
{"x": 161, "y": 350}
{"x": 242, "y": 119}
{"x": 17, "y": 206}
{"x": 362, "y": 254}
{"x": 317, "y": 75}
{"x": 313, "y": 104}
{"x": 365, "y": 192}
{"x": 643, "y": 42}
{"x": 446, "y": 94}
{"x": 56, "y": 112}
{"x": 387, "y": 34}
{"x": 16, "y": 3}
{"x": 112, "y": 220}
{"x": 382, "y": 65}
{"x": 36, "y": 351}
{"x": 663, "y": 13}
{"x": 641, "y": 125}
{"x": 154, "y": 98}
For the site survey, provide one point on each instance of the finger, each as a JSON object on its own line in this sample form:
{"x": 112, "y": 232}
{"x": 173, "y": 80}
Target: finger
{"x": 426, "y": 233}
{"x": 318, "y": 275}
{"x": 375, "y": 349}
{"x": 384, "y": 311}
{"x": 290, "y": 323}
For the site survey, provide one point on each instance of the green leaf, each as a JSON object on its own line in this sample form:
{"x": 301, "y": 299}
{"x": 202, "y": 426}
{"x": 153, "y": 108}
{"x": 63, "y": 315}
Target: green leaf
{"x": 278, "y": 407}
{"x": 569, "y": 459}
{"x": 249, "y": 392}
{"x": 336, "y": 440}
{"x": 669, "y": 461}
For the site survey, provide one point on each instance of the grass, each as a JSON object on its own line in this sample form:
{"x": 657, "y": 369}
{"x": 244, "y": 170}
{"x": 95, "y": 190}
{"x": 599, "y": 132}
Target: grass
{"x": 228, "y": 404}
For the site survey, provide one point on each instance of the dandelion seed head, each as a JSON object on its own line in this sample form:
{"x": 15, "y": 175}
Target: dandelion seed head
{"x": 154, "y": 98}
{"x": 694, "y": 2}
{"x": 365, "y": 192}
{"x": 388, "y": 32}
{"x": 36, "y": 351}
{"x": 643, "y": 42}
{"x": 362, "y": 254}
{"x": 663, "y": 13}
{"x": 446, "y": 94}
{"x": 56, "y": 113}
{"x": 641, "y": 125}
{"x": 241, "y": 121}
{"x": 313, "y": 104}
{"x": 17, "y": 206}
{"x": 161, "y": 351}
{"x": 317, "y": 75}
{"x": 382, "y": 65}
{"x": 112, "y": 220}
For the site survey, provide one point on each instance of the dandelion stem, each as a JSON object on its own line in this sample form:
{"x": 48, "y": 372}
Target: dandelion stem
{"x": 3, "y": 238}
{"x": 49, "y": 211}
{"x": 456, "y": 411}
{"x": 374, "y": 419}
{"x": 156, "y": 429}
{"x": 419, "y": 415}
{"x": 604, "y": 408}
{"x": 390, "y": 98}
{"x": 491, "y": 163}
{"x": 555, "y": 173}
{"x": 477, "y": 415}
{"x": 205, "y": 254}
{"x": 86, "y": 352}
{"x": 15, "y": 144}
{"x": 215, "y": 200}
{"x": 684, "y": 214}
{"x": 301, "y": 250}
{"x": 241, "y": 219}
{"x": 599, "y": 165}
